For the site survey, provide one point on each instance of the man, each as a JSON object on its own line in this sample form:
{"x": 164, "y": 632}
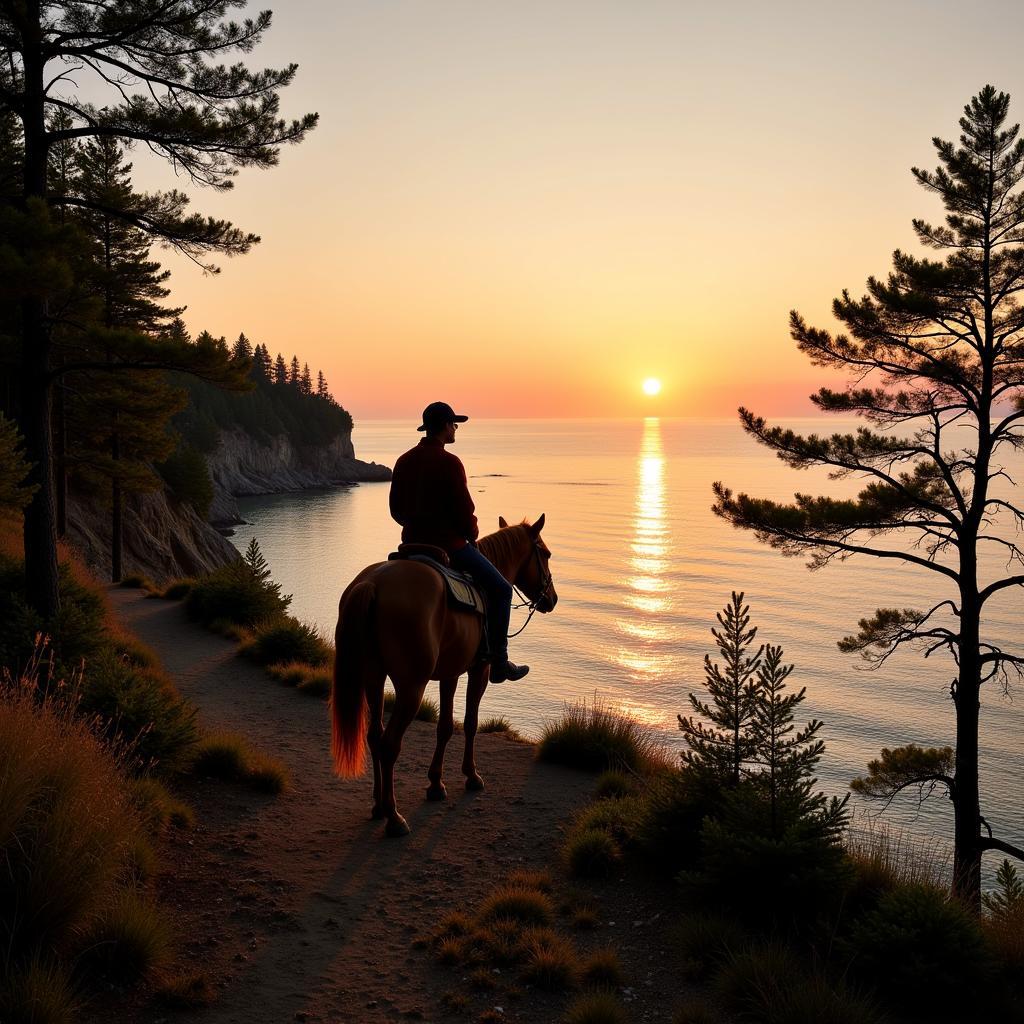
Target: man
{"x": 430, "y": 498}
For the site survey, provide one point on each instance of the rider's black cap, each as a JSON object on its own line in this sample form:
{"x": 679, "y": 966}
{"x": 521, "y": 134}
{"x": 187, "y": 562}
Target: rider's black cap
{"x": 437, "y": 414}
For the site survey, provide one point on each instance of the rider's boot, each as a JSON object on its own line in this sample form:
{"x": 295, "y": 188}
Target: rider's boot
{"x": 503, "y": 670}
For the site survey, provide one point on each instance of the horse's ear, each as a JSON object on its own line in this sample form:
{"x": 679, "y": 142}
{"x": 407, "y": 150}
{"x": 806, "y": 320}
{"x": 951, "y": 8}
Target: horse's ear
{"x": 502, "y": 525}
{"x": 538, "y": 526}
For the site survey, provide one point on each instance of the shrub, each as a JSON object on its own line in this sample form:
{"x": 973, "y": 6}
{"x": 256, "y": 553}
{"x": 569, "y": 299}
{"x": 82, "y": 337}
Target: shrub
{"x": 128, "y": 941}
{"x": 233, "y": 594}
{"x": 316, "y": 684}
{"x": 924, "y": 951}
{"x": 596, "y": 1008}
{"x": 454, "y": 925}
{"x": 285, "y": 639}
{"x": 710, "y": 939}
{"x": 676, "y": 805}
{"x": 595, "y": 738}
{"x": 289, "y": 673}
{"x": 266, "y": 775}
{"x": 618, "y": 817}
{"x": 591, "y": 853}
{"x": 142, "y": 707}
{"x": 177, "y": 590}
{"x": 67, "y": 827}
{"x": 157, "y": 806}
{"x": 136, "y": 582}
{"x": 528, "y": 906}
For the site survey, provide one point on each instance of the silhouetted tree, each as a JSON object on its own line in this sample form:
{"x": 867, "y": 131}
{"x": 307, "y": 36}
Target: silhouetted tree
{"x": 150, "y": 60}
{"x": 242, "y": 350}
{"x": 936, "y": 349}
{"x": 321, "y": 385}
{"x": 294, "y": 374}
{"x": 280, "y": 370}
{"x": 721, "y": 748}
{"x": 305, "y": 381}
{"x": 14, "y": 495}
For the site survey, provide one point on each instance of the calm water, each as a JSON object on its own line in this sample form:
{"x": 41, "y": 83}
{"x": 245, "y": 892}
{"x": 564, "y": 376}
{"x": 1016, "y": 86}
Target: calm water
{"x": 641, "y": 567}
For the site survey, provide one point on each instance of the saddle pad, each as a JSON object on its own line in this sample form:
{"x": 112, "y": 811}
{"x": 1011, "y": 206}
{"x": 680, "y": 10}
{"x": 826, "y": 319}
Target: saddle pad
{"x": 462, "y": 591}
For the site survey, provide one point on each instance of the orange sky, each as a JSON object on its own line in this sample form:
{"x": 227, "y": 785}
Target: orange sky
{"x": 526, "y": 209}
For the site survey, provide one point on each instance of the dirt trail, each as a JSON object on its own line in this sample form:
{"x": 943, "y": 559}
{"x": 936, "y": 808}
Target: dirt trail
{"x": 297, "y": 907}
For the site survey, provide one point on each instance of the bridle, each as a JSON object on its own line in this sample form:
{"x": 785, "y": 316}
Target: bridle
{"x": 525, "y": 602}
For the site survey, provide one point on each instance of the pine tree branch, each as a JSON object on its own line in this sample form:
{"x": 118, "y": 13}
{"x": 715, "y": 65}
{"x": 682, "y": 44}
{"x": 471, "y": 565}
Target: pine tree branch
{"x": 991, "y": 843}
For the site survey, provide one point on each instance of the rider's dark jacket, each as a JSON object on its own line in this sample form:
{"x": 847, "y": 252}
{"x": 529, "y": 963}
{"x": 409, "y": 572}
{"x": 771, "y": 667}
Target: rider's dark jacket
{"x": 430, "y": 497}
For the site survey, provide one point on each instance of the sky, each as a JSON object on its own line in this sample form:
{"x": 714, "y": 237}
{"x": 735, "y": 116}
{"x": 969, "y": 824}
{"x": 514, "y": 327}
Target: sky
{"x": 526, "y": 209}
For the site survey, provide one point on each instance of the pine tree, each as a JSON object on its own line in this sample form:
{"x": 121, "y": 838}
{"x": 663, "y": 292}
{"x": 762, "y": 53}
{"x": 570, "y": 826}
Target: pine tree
{"x": 158, "y": 74}
{"x": 305, "y": 382}
{"x": 14, "y": 495}
{"x": 786, "y": 758}
{"x": 280, "y": 370}
{"x": 721, "y": 749}
{"x": 242, "y": 350}
{"x": 935, "y": 359}
{"x": 261, "y": 363}
{"x": 1007, "y": 901}
{"x": 321, "y": 385}
{"x": 294, "y": 373}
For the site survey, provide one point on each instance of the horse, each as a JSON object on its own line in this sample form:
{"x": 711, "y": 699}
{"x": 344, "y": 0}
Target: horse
{"x": 394, "y": 620}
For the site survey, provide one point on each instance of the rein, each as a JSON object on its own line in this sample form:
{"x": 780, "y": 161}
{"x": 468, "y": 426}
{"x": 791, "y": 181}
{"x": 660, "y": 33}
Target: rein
{"x": 524, "y": 601}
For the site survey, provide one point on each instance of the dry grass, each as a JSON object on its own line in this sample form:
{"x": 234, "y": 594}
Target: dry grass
{"x": 886, "y": 857}
{"x": 158, "y": 807}
{"x": 539, "y": 880}
{"x": 500, "y": 725}
{"x": 177, "y": 590}
{"x": 517, "y": 903}
{"x": 190, "y": 990}
{"x": 128, "y": 941}
{"x": 226, "y": 755}
{"x": 596, "y": 1008}
{"x": 595, "y": 737}
{"x": 601, "y": 969}
{"x": 591, "y": 853}
{"x": 428, "y": 712}
{"x": 550, "y": 960}
{"x": 37, "y": 992}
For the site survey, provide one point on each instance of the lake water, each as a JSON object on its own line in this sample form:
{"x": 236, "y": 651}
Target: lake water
{"x": 642, "y": 566}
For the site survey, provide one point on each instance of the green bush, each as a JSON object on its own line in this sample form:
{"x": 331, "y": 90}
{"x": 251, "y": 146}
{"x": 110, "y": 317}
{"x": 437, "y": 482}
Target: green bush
{"x": 285, "y": 639}
{"x": 923, "y": 951}
{"x": 143, "y": 709}
{"x": 595, "y": 738}
{"x": 188, "y": 477}
{"x": 676, "y": 805}
{"x": 233, "y": 594}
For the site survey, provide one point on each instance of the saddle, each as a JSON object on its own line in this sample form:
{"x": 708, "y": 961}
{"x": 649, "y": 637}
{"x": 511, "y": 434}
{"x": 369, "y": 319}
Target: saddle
{"x": 462, "y": 591}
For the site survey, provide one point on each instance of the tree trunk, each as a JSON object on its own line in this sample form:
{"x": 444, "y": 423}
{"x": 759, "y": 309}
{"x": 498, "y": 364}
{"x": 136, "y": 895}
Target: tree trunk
{"x": 966, "y": 798}
{"x": 61, "y": 458}
{"x": 117, "y": 510}
{"x": 41, "y": 578}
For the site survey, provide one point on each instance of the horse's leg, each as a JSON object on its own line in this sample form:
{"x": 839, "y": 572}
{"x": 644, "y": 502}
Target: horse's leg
{"x": 407, "y": 703}
{"x": 478, "y": 677}
{"x": 375, "y": 700}
{"x": 445, "y": 728}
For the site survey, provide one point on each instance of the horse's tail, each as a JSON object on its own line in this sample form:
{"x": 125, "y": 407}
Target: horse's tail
{"x": 349, "y": 712}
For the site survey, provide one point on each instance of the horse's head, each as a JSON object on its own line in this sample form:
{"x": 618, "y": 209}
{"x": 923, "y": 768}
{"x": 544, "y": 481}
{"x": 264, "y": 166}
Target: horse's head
{"x": 534, "y": 575}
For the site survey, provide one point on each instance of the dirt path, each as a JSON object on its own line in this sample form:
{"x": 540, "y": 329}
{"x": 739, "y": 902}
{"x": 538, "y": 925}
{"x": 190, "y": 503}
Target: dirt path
{"x": 298, "y": 908}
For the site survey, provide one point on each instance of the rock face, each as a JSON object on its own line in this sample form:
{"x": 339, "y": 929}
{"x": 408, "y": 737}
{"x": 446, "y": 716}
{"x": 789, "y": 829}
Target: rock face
{"x": 163, "y": 539}
{"x": 240, "y": 465}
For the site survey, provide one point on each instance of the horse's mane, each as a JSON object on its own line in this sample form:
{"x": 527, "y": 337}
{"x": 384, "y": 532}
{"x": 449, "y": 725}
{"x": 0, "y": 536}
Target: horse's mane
{"x": 503, "y": 543}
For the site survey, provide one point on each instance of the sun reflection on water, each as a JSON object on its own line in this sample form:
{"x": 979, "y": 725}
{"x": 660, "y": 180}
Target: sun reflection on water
{"x": 643, "y": 635}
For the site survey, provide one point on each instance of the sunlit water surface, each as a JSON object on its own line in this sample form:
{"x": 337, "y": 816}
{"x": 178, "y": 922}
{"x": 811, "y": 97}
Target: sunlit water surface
{"x": 642, "y": 566}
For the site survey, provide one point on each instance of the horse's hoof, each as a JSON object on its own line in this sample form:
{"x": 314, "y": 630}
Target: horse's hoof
{"x": 474, "y": 782}
{"x": 437, "y": 792}
{"x": 377, "y": 812}
{"x": 396, "y": 826}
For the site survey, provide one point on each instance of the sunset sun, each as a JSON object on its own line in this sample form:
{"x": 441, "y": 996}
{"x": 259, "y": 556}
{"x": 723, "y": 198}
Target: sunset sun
{"x": 651, "y": 386}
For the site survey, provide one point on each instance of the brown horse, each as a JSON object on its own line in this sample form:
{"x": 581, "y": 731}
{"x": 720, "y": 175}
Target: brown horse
{"x": 394, "y": 620}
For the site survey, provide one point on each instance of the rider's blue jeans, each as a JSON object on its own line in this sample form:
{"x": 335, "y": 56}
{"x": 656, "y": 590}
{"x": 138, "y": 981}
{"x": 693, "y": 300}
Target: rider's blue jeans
{"x": 498, "y": 592}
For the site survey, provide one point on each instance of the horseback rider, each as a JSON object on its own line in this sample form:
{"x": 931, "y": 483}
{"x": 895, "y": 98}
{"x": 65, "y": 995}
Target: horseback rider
{"x": 430, "y": 499}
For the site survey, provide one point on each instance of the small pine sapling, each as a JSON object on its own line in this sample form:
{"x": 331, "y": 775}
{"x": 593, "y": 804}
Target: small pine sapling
{"x": 1008, "y": 899}
{"x": 721, "y": 748}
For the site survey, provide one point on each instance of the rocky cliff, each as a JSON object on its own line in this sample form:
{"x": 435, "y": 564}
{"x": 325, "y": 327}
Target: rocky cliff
{"x": 163, "y": 539}
{"x": 241, "y": 465}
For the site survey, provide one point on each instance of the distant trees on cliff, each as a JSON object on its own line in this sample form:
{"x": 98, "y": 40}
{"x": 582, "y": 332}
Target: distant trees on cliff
{"x": 159, "y": 72}
{"x": 935, "y": 357}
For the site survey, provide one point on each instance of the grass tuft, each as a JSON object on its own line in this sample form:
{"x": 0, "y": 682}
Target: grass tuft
{"x": 428, "y": 712}
{"x": 129, "y": 941}
{"x": 596, "y": 738}
{"x": 37, "y": 992}
{"x": 517, "y": 903}
{"x": 591, "y": 853}
{"x": 595, "y": 1008}
{"x": 285, "y": 639}
{"x": 550, "y": 961}
{"x": 601, "y": 969}
{"x": 539, "y": 880}
{"x": 225, "y": 755}
{"x": 612, "y": 785}
{"x": 267, "y": 775}
{"x": 190, "y": 990}
{"x": 177, "y": 590}
{"x": 158, "y": 807}
{"x": 502, "y": 725}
